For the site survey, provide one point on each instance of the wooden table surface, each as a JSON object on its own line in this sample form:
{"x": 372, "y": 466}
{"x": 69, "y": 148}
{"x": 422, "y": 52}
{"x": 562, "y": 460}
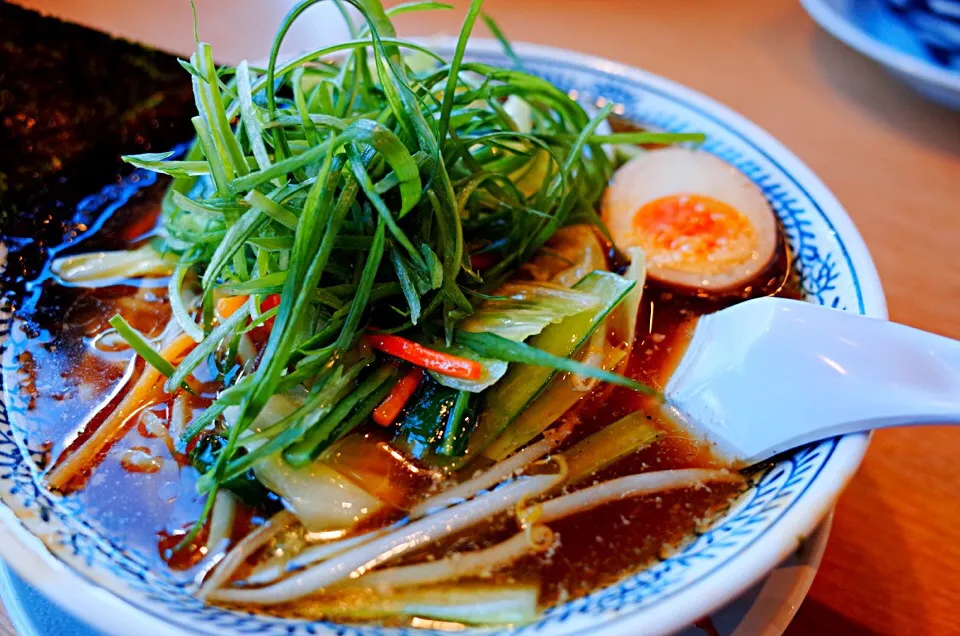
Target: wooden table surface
{"x": 893, "y": 561}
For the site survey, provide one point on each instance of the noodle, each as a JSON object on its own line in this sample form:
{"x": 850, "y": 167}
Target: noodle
{"x": 243, "y": 550}
{"x": 461, "y": 564}
{"x": 487, "y": 479}
{"x": 356, "y": 562}
{"x": 631, "y": 486}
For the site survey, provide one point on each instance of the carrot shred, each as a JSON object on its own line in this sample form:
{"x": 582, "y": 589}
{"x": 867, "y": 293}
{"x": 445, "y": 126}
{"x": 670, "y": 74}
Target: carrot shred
{"x": 388, "y": 410}
{"x": 228, "y": 305}
{"x": 415, "y": 353}
{"x": 147, "y": 389}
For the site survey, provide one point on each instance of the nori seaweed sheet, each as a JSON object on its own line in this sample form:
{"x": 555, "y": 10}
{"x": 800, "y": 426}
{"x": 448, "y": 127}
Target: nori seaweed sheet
{"x": 72, "y": 100}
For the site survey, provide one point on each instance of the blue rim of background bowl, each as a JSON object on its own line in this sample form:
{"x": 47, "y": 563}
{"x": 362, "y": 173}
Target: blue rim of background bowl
{"x": 839, "y": 26}
{"x": 623, "y": 78}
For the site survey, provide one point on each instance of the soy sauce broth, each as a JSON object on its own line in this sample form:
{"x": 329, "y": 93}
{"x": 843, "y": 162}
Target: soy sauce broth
{"x": 69, "y": 375}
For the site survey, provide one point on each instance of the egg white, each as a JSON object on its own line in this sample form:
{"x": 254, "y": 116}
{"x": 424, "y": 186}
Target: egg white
{"x": 681, "y": 171}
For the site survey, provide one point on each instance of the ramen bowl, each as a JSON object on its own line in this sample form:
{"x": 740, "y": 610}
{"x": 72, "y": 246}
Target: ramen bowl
{"x": 53, "y": 542}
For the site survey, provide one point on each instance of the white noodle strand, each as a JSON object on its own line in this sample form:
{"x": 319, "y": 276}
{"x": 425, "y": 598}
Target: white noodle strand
{"x": 485, "y": 480}
{"x": 358, "y": 561}
{"x": 241, "y": 552}
{"x": 314, "y": 554}
{"x": 221, "y": 522}
{"x": 631, "y": 486}
{"x": 462, "y": 564}
{"x": 494, "y": 475}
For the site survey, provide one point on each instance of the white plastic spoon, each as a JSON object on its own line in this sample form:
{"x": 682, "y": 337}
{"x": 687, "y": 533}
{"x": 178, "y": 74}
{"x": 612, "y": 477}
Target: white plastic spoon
{"x": 771, "y": 374}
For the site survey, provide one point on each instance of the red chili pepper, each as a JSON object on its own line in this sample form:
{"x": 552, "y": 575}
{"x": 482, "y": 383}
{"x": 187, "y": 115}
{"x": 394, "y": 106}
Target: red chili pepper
{"x": 484, "y": 260}
{"x": 268, "y": 303}
{"x": 445, "y": 363}
{"x": 261, "y": 333}
{"x": 400, "y": 394}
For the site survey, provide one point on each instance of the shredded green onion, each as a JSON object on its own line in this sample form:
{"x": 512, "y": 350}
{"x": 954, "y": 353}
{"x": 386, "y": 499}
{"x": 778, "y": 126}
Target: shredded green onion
{"x": 139, "y": 344}
{"x": 353, "y": 186}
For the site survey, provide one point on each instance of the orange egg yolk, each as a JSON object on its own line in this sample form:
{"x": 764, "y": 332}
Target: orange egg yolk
{"x": 693, "y": 232}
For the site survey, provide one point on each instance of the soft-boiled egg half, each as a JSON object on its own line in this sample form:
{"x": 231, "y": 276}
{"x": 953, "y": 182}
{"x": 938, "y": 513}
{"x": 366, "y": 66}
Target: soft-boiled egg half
{"x": 701, "y": 222}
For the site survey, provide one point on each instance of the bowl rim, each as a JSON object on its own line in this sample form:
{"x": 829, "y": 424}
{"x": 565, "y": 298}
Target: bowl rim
{"x": 80, "y": 595}
{"x": 837, "y": 24}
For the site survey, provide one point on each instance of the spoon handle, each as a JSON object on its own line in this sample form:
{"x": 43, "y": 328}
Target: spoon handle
{"x": 772, "y": 374}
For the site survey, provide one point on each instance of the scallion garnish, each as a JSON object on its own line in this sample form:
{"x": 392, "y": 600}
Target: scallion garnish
{"x": 355, "y": 187}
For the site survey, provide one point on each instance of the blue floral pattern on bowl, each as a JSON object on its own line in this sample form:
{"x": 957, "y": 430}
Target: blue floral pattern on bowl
{"x": 829, "y": 278}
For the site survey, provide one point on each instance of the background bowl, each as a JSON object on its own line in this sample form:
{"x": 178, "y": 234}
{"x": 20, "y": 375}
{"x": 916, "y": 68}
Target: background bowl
{"x": 870, "y": 27}
{"x": 936, "y": 23}
{"x": 51, "y": 542}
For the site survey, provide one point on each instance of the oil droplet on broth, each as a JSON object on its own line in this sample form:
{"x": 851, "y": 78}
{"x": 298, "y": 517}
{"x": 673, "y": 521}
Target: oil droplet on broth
{"x": 109, "y": 342}
{"x": 169, "y": 491}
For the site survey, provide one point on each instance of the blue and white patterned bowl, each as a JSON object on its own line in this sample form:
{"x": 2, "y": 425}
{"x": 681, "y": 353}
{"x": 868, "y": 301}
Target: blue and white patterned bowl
{"x": 51, "y": 542}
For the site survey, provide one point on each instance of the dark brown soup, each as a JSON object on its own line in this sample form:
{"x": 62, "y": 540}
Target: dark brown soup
{"x": 144, "y": 490}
